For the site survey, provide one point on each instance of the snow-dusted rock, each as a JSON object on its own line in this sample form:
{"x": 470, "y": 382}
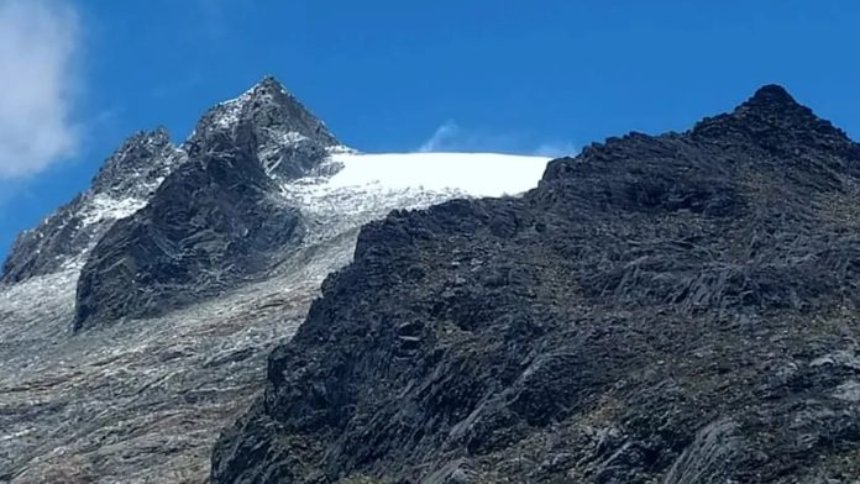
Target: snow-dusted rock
{"x": 124, "y": 185}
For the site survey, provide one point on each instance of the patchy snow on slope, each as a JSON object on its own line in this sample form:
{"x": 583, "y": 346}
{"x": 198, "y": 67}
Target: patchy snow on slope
{"x": 229, "y": 111}
{"x": 104, "y": 207}
{"x": 143, "y": 401}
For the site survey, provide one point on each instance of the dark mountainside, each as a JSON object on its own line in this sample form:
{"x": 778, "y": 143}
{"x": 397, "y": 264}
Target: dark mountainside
{"x": 677, "y": 309}
{"x": 217, "y": 220}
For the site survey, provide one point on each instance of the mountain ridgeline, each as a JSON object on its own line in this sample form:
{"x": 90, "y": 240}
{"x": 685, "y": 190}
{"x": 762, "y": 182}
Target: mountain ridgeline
{"x": 124, "y": 184}
{"x": 678, "y": 308}
{"x": 164, "y": 226}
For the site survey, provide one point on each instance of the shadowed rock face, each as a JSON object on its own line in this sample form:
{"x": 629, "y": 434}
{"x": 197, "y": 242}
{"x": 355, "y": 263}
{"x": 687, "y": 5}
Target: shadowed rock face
{"x": 215, "y": 222}
{"x": 144, "y": 400}
{"x": 679, "y": 309}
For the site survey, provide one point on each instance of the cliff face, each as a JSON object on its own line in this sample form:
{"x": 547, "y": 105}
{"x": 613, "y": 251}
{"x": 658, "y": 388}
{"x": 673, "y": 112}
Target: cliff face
{"x": 679, "y": 309}
{"x": 216, "y": 222}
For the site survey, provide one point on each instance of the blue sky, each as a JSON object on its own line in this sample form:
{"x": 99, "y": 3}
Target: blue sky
{"x": 538, "y": 76}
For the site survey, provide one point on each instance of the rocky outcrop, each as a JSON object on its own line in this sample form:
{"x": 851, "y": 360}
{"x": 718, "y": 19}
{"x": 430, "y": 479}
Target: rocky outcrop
{"x": 218, "y": 221}
{"x": 123, "y": 185}
{"x": 144, "y": 400}
{"x": 679, "y": 308}
{"x": 289, "y": 141}
{"x": 215, "y": 222}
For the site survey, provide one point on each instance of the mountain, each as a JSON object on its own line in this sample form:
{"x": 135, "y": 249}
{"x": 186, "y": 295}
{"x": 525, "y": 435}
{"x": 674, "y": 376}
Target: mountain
{"x": 123, "y": 185}
{"x": 217, "y": 220}
{"x": 678, "y": 308}
{"x": 136, "y": 321}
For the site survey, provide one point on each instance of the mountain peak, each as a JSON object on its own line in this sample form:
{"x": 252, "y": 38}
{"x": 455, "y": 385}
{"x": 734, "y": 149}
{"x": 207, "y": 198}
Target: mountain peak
{"x": 266, "y": 105}
{"x": 772, "y": 118}
{"x": 772, "y": 94}
{"x": 269, "y": 88}
{"x": 125, "y": 183}
{"x": 288, "y": 139}
{"x": 773, "y": 100}
{"x": 269, "y": 83}
{"x": 142, "y": 161}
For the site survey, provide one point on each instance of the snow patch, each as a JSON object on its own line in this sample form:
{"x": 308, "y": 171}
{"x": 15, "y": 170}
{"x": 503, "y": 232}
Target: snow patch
{"x": 228, "y": 112}
{"x": 103, "y": 207}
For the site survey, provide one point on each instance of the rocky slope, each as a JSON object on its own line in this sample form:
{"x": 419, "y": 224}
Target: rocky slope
{"x": 679, "y": 309}
{"x": 225, "y": 248}
{"x": 123, "y": 185}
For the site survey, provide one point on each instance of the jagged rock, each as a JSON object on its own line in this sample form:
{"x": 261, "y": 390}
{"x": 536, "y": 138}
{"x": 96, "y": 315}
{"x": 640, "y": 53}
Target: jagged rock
{"x": 215, "y": 222}
{"x": 659, "y": 309}
{"x": 289, "y": 141}
{"x": 218, "y": 221}
{"x": 123, "y": 185}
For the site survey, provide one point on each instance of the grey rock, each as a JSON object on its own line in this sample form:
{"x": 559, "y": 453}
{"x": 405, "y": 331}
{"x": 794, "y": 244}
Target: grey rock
{"x": 288, "y": 139}
{"x": 124, "y": 184}
{"x": 710, "y": 458}
{"x": 215, "y": 222}
{"x": 143, "y": 401}
{"x": 650, "y": 313}
{"x": 218, "y": 221}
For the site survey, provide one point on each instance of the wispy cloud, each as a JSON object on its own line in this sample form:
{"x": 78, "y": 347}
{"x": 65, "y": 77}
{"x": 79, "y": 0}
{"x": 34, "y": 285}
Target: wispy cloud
{"x": 39, "y": 47}
{"x": 444, "y": 136}
{"x": 450, "y": 136}
{"x": 214, "y": 16}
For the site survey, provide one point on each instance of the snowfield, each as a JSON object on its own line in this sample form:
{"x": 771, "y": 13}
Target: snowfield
{"x": 366, "y": 187}
{"x": 475, "y": 174}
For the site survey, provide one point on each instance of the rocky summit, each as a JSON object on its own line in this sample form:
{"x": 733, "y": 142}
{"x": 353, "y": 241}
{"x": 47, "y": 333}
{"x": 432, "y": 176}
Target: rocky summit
{"x": 135, "y": 321}
{"x": 124, "y": 184}
{"x": 680, "y": 308}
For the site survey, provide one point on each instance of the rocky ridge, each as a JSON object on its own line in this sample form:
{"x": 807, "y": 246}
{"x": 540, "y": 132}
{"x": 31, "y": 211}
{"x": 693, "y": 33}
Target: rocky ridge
{"x": 125, "y": 184}
{"x": 678, "y": 308}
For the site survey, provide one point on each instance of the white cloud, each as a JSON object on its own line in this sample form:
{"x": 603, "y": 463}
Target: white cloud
{"x": 452, "y": 138}
{"x": 39, "y": 45}
{"x": 444, "y": 136}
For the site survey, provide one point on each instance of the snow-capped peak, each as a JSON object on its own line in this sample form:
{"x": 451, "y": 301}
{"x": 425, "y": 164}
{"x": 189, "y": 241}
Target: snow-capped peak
{"x": 267, "y": 104}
